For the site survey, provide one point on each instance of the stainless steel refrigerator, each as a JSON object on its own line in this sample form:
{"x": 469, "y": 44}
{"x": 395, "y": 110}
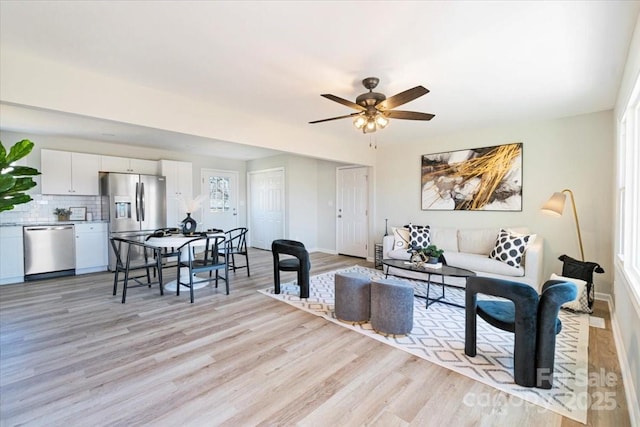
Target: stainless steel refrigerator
{"x": 134, "y": 204}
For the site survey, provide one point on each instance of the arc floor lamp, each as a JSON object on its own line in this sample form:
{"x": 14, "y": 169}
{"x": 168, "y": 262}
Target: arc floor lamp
{"x": 555, "y": 205}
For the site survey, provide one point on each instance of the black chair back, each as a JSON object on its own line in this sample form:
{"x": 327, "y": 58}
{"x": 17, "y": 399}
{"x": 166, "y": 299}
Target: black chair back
{"x": 237, "y": 245}
{"x": 128, "y": 260}
{"x": 299, "y": 263}
{"x": 214, "y": 258}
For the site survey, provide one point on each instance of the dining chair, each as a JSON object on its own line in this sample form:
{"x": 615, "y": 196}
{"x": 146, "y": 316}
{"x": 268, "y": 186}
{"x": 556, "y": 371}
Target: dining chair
{"x": 211, "y": 260}
{"x": 126, "y": 251}
{"x": 236, "y": 244}
{"x": 297, "y": 260}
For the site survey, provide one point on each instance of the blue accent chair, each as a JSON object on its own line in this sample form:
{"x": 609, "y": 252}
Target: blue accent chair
{"x": 532, "y": 318}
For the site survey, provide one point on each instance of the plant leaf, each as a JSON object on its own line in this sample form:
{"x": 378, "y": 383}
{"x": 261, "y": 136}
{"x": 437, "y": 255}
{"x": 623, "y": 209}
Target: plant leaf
{"x": 19, "y": 150}
{"x": 24, "y": 170}
{"x": 6, "y": 183}
{"x": 16, "y": 199}
{"x": 22, "y": 184}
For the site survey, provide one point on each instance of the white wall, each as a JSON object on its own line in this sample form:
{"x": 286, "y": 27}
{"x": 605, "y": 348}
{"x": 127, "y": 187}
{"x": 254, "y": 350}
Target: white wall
{"x": 626, "y": 312}
{"x": 310, "y": 191}
{"x": 575, "y": 153}
{"x": 327, "y": 206}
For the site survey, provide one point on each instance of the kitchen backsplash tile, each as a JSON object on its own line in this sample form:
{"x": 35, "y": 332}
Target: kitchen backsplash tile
{"x": 40, "y": 209}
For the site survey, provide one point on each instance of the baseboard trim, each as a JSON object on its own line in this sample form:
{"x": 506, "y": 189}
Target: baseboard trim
{"x": 625, "y": 369}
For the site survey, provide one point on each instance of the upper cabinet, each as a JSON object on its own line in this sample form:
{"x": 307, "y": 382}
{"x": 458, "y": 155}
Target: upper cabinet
{"x": 64, "y": 172}
{"x": 179, "y": 189}
{"x": 126, "y": 165}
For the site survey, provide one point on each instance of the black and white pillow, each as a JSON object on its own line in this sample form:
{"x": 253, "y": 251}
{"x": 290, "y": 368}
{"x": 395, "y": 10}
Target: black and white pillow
{"x": 510, "y": 247}
{"x": 420, "y": 236}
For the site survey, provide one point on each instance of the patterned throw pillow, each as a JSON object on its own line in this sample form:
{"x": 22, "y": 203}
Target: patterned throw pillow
{"x": 510, "y": 247}
{"x": 400, "y": 238}
{"x": 420, "y": 236}
{"x": 581, "y": 303}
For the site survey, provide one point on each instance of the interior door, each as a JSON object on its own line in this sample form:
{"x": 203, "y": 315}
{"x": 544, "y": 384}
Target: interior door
{"x": 266, "y": 207}
{"x": 352, "y": 211}
{"x": 219, "y": 203}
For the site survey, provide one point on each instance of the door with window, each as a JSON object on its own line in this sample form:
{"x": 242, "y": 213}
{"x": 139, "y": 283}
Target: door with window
{"x": 352, "y": 211}
{"x": 219, "y": 203}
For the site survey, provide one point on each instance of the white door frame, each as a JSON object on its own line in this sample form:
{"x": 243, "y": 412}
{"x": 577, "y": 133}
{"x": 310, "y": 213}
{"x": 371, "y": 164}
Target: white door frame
{"x": 369, "y": 203}
{"x": 284, "y": 199}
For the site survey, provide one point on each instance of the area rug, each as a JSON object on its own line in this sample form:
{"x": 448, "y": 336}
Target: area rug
{"x": 438, "y": 336}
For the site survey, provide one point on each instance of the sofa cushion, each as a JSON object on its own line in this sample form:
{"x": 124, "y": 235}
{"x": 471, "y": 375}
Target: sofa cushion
{"x": 477, "y": 240}
{"x": 400, "y": 238}
{"x": 445, "y": 238}
{"x": 482, "y": 264}
{"x": 420, "y": 236}
{"x": 509, "y": 247}
{"x": 402, "y": 254}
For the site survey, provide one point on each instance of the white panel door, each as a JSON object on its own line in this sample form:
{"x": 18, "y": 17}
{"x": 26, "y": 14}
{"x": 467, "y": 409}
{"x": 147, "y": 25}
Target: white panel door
{"x": 352, "y": 212}
{"x": 266, "y": 207}
{"x": 219, "y": 201}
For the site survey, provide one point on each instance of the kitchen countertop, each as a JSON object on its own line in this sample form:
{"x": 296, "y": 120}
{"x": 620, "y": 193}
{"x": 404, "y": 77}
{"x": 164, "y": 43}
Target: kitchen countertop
{"x": 48, "y": 224}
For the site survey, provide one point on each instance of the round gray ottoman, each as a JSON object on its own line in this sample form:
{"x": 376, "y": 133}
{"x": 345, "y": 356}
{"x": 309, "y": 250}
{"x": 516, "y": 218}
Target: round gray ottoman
{"x": 352, "y": 297}
{"x": 391, "y": 306}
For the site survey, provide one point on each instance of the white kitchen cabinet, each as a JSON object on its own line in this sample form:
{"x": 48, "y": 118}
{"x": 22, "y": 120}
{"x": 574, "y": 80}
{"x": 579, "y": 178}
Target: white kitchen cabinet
{"x": 127, "y": 165}
{"x": 179, "y": 177}
{"x": 69, "y": 173}
{"x": 92, "y": 250}
{"x": 11, "y": 255}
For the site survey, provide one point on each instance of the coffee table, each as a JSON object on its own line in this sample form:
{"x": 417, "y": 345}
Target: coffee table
{"x": 443, "y": 271}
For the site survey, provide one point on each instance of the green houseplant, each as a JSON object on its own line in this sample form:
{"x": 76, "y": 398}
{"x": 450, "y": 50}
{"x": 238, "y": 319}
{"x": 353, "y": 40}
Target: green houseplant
{"x": 63, "y": 214}
{"x": 430, "y": 254}
{"x": 432, "y": 251}
{"x": 15, "y": 180}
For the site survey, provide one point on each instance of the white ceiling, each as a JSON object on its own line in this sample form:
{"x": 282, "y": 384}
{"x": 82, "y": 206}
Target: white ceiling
{"x": 485, "y": 63}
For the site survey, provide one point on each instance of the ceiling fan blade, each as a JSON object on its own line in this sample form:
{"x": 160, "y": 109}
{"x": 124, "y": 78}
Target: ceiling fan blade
{"x": 402, "y": 98}
{"x": 335, "y": 118}
{"x": 344, "y": 101}
{"x": 408, "y": 115}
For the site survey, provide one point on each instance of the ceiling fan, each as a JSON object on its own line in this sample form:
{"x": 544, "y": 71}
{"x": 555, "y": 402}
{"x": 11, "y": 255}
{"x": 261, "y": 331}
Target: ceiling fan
{"x": 375, "y": 109}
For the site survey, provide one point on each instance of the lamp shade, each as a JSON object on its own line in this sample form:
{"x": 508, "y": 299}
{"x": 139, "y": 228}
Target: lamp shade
{"x": 555, "y": 204}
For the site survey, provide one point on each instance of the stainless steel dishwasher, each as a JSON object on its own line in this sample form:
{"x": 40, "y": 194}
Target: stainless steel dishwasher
{"x": 49, "y": 251}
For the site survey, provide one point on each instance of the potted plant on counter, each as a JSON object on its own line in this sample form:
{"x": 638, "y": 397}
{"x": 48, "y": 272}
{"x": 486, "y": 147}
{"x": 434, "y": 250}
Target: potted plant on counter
{"x": 63, "y": 214}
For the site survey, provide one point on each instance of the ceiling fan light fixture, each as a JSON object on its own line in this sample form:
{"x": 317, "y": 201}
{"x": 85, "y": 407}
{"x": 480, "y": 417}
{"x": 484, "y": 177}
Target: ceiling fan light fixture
{"x": 381, "y": 121}
{"x": 359, "y": 122}
{"x": 370, "y": 127}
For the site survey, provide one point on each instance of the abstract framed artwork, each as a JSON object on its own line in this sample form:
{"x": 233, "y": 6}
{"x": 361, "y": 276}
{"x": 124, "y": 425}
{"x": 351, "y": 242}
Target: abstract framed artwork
{"x": 477, "y": 179}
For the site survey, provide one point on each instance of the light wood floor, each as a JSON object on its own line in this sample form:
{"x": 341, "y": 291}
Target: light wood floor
{"x": 72, "y": 355}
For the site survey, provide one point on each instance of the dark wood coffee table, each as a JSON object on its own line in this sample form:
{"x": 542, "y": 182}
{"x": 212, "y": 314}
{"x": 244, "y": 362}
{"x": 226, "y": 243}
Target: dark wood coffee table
{"x": 443, "y": 271}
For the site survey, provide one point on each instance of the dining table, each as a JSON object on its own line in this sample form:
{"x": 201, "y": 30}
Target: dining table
{"x": 175, "y": 241}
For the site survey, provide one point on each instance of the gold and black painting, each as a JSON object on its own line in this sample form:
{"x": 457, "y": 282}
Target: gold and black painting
{"x": 486, "y": 178}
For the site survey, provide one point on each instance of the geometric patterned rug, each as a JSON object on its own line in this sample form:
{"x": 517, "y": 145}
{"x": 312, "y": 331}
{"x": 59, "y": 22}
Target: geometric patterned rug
{"x": 438, "y": 336}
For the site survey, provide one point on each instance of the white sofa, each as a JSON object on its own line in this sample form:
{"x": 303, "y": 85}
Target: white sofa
{"x": 469, "y": 249}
